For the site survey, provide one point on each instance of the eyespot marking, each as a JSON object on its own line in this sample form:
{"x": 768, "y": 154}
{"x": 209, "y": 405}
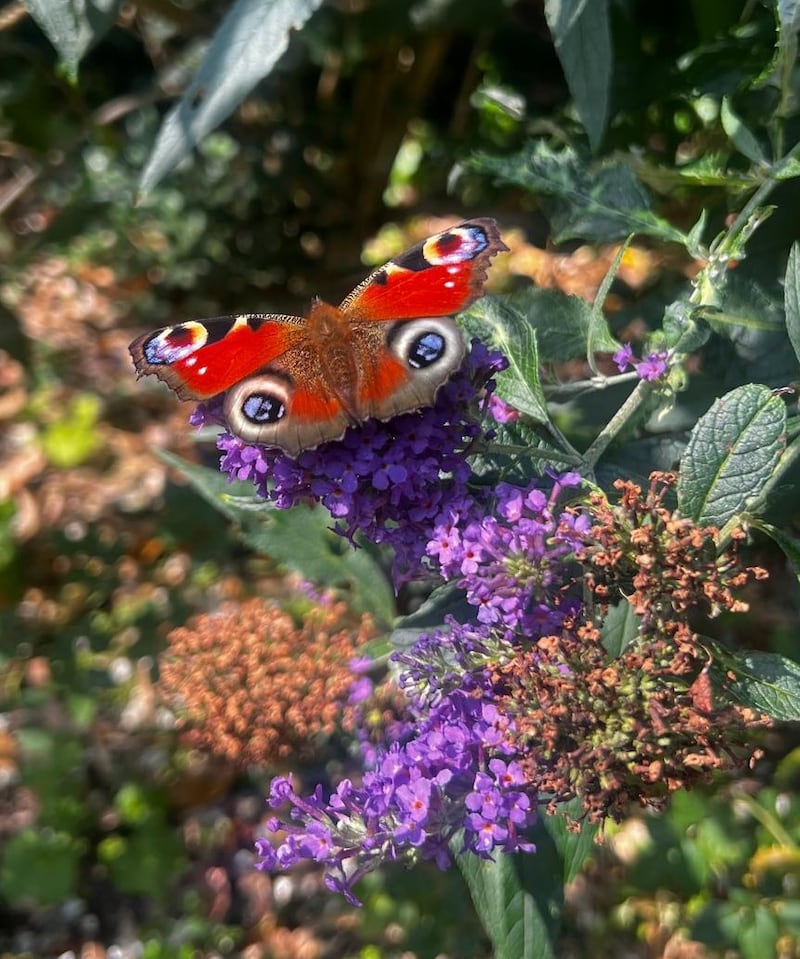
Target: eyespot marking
{"x": 262, "y": 408}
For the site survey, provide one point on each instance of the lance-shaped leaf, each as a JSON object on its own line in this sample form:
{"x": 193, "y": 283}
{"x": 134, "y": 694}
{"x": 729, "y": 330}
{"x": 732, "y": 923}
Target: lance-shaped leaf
{"x": 582, "y": 39}
{"x": 791, "y": 298}
{"x": 248, "y": 44}
{"x": 731, "y": 454}
{"x": 300, "y": 539}
{"x": 620, "y": 628}
{"x": 72, "y": 26}
{"x": 520, "y": 898}
{"x": 741, "y": 137}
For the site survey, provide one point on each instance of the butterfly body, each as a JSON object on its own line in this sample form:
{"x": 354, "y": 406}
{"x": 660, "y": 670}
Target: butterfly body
{"x": 296, "y": 382}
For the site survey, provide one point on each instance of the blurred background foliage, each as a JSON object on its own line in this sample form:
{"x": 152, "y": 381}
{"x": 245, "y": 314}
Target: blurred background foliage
{"x": 114, "y": 831}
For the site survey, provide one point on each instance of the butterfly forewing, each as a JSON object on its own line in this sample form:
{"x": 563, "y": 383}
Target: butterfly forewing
{"x": 201, "y": 359}
{"x": 438, "y": 277}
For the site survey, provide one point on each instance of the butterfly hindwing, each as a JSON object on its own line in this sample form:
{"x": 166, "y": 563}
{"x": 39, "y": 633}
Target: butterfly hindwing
{"x": 438, "y": 277}
{"x": 288, "y": 403}
{"x": 403, "y": 364}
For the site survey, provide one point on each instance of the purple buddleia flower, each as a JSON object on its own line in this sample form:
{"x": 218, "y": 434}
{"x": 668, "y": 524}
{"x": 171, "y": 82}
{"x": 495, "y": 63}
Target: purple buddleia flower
{"x": 386, "y": 480}
{"x": 623, "y": 357}
{"x": 651, "y": 368}
{"x": 502, "y": 411}
{"x": 453, "y": 771}
{"x": 513, "y": 562}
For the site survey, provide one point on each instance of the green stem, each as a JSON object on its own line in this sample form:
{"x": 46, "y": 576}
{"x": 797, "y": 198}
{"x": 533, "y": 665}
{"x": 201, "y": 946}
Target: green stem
{"x": 609, "y": 432}
{"x": 755, "y": 201}
{"x": 770, "y": 822}
{"x": 534, "y": 452}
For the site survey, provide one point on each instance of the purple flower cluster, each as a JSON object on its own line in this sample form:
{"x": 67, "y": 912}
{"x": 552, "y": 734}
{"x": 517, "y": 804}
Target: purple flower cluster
{"x": 513, "y": 563}
{"x": 452, "y": 767}
{"x": 386, "y": 480}
{"x": 456, "y": 774}
{"x": 651, "y": 368}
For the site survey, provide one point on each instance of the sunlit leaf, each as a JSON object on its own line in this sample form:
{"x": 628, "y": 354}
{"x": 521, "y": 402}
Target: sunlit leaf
{"x": 520, "y": 898}
{"x": 731, "y": 454}
{"x": 72, "y": 26}
{"x": 791, "y": 298}
{"x": 511, "y": 331}
{"x": 250, "y": 41}
{"x": 742, "y": 138}
{"x": 765, "y": 682}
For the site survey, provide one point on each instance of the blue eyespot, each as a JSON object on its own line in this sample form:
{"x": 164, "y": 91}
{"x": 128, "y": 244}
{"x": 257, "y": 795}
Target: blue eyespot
{"x": 263, "y": 408}
{"x": 426, "y": 350}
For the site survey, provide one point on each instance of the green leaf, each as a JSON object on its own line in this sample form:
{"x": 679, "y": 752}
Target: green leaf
{"x": 601, "y": 204}
{"x": 236, "y": 501}
{"x": 582, "y": 38}
{"x": 301, "y": 539}
{"x": 40, "y": 867}
{"x": 144, "y": 861}
{"x": 791, "y": 298}
{"x": 518, "y": 903}
{"x": 573, "y": 847}
{"x": 245, "y": 48}
{"x": 519, "y": 899}
{"x": 70, "y": 440}
{"x": 741, "y": 137}
{"x": 446, "y": 600}
{"x": 694, "y": 238}
{"x": 789, "y": 15}
{"x": 759, "y": 932}
{"x": 567, "y": 327}
{"x": 731, "y": 454}
{"x": 511, "y": 330}
{"x": 620, "y": 627}
{"x": 72, "y": 26}
{"x": 766, "y": 682}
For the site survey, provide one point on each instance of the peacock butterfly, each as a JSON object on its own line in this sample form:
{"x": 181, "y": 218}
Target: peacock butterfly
{"x": 295, "y": 382}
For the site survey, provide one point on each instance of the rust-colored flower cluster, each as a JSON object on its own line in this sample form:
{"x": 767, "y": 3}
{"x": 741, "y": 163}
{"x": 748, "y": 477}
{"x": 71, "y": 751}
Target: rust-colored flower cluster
{"x": 254, "y": 686}
{"x": 664, "y": 564}
{"x": 616, "y": 731}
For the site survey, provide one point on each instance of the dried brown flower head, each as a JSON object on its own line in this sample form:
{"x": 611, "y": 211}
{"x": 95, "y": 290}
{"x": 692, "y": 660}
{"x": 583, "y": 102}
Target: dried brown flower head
{"x": 631, "y": 729}
{"x": 253, "y": 686}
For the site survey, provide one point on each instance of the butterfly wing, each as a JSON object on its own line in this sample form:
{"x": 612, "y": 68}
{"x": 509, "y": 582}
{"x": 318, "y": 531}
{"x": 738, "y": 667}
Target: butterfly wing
{"x": 296, "y": 382}
{"x": 407, "y": 344}
{"x": 438, "y": 277}
{"x": 289, "y": 403}
{"x": 202, "y": 358}
{"x": 275, "y": 388}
